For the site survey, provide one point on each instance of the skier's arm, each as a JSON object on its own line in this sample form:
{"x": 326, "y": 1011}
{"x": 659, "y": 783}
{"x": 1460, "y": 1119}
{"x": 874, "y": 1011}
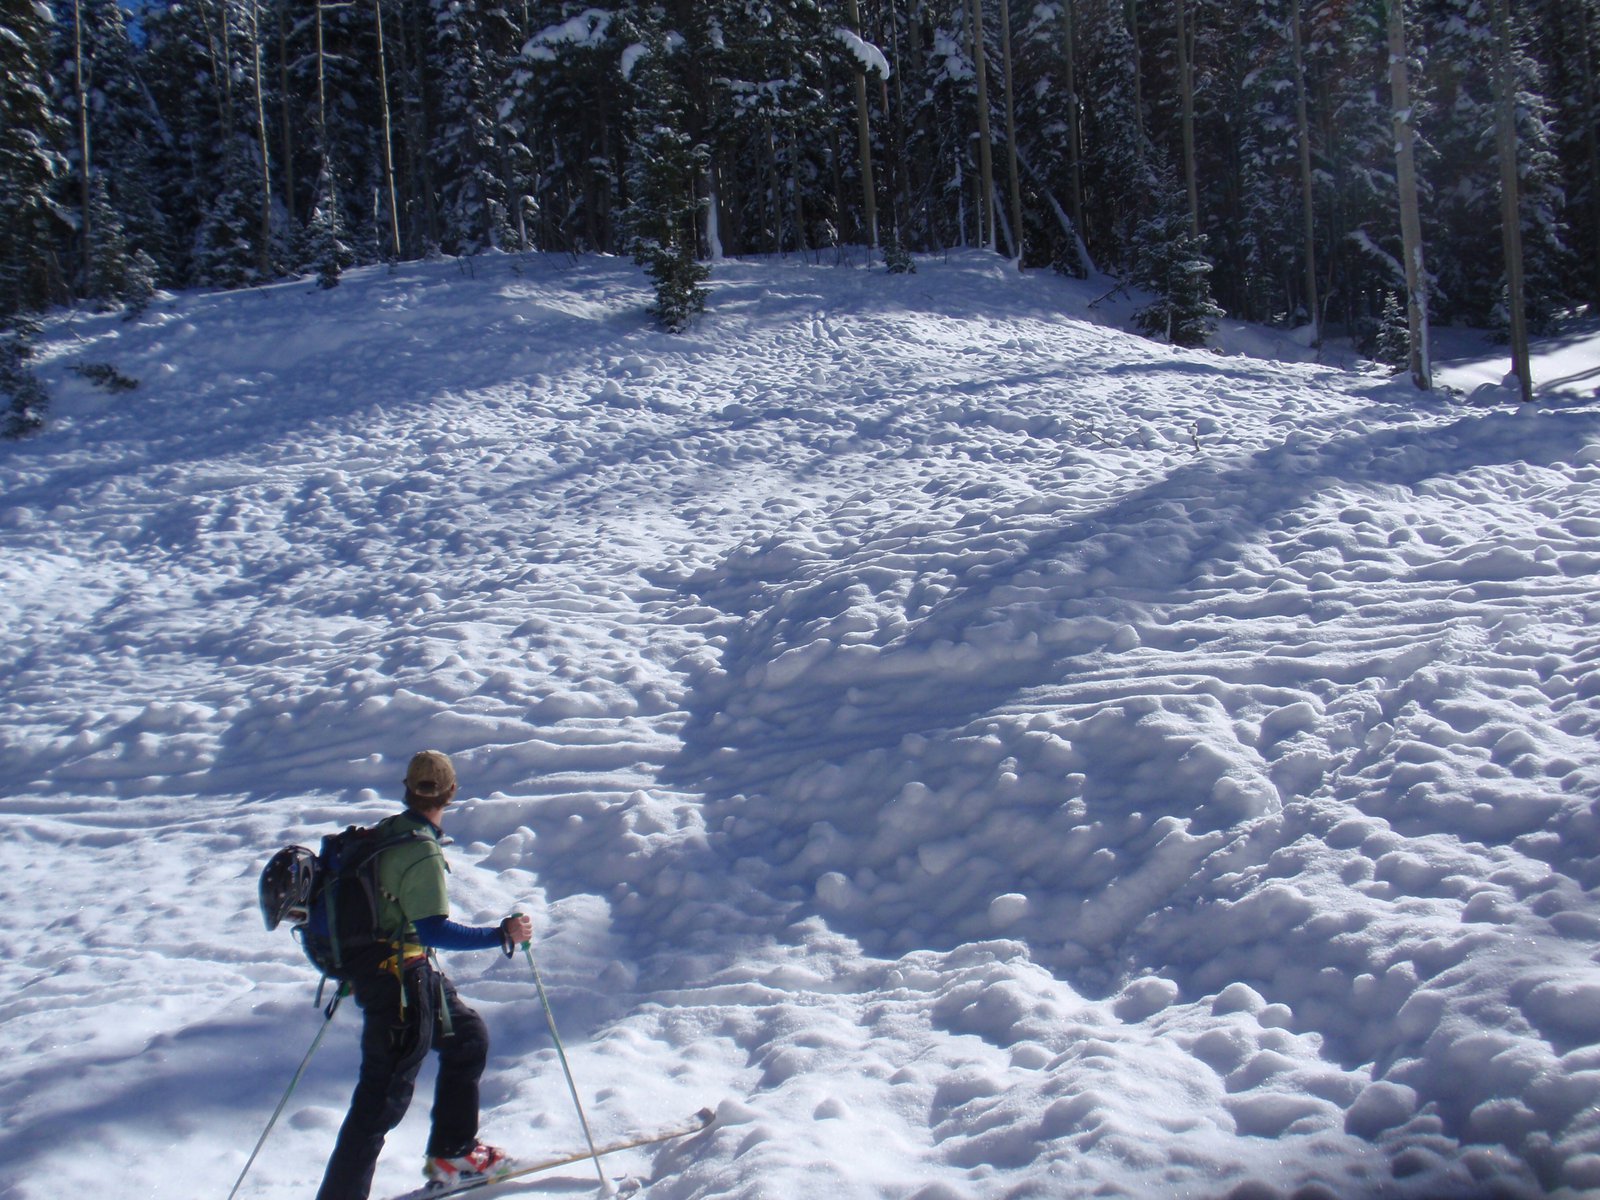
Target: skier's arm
{"x": 441, "y": 933}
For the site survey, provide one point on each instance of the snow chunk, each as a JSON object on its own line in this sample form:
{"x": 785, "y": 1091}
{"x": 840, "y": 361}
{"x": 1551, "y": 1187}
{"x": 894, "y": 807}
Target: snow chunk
{"x": 1380, "y": 1106}
{"x": 586, "y": 31}
{"x": 1238, "y": 997}
{"x": 1007, "y": 910}
{"x": 872, "y": 59}
{"x": 1565, "y": 1009}
{"x": 1143, "y": 998}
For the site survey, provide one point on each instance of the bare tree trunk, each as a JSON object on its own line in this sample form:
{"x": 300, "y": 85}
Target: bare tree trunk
{"x": 285, "y": 122}
{"x": 1307, "y": 198}
{"x": 1510, "y": 208}
{"x": 985, "y": 140}
{"x": 416, "y": 109}
{"x": 83, "y": 144}
{"x": 388, "y": 138}
{"x": 900, "y": 173}
{"x": 774, "y": 189}
{"x": 864, "y": 136}
{"x": 264, "y": 249}
{"x": 322, "y": 93}
{"x": 1410, "y": 212}
{"x": 221, "y": 68}
{"x": 1186, "y": 95}
{"x": 1138, "y": 68}
{"x": 1074, "y": 117}
{"x": 1591, "y": 105}
{"x": 1011, "y": 132}
{"x": 798, "y": 193}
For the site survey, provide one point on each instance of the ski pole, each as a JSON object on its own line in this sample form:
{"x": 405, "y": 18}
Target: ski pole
{"x": 605, "y": 1184}
{"x": 293, "y": 1083}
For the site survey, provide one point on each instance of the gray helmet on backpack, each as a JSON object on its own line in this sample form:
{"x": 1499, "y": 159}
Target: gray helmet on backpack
{"x": 287, "y": 882}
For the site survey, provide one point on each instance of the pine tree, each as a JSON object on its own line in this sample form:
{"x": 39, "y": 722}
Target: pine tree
{"x": 32, "y": 225}
{"x": 1345, "y": 65}
{"x": 1262, "y": 233}
{"x": 1393, "y": 344}
{"x": 225, "y": 254}
{"x": 198, "y": 64}
{"x": 122, "y": 131}
{"x": 23, "y": 399}
{"x": 782, "y": 119}
{"x": 326, "y": 247}
{"x": 1120, "y": 180}
{"x": 567, "y": 90}
{"x": 664, "y": 164}
{"x": 897, "y": 258}
{"x": 480, "y": 201}
{"x": 1172, "y": 264}
{"x": 120, "y": 272}
{"x": 1463, "y": 169}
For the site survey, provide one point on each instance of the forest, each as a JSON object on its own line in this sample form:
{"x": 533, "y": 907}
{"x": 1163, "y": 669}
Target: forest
{"x": 1244, "y": 150}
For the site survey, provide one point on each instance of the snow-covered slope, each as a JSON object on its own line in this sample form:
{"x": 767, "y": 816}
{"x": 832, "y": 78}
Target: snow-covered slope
{"x": 981, "y": 753}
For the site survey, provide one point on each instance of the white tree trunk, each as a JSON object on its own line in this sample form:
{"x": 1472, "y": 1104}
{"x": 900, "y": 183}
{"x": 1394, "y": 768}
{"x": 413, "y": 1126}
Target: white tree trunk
{"x": 1410, "y": 213}
{"x": 985, "y": 139}
{"x": 1510, "y": 207}
{"x": 1015, "y": 179}
{"x": 864, "y": 138}
{"x": 1308, "y": 202}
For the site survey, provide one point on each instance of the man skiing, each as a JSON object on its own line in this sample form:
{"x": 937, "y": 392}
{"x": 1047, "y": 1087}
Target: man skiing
{"x": 409, "y": 1007}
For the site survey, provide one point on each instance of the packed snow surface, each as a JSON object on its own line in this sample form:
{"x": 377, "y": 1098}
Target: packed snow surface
{"x": 976, "y": 751}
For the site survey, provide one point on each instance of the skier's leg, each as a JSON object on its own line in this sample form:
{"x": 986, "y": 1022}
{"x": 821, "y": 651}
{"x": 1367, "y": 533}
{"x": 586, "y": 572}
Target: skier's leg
{"x": 462, "y": 1055}
{"x": 392, "y": 1050}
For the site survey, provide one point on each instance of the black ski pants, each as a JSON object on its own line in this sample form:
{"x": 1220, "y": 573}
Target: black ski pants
{"x": 393, "y": 1044}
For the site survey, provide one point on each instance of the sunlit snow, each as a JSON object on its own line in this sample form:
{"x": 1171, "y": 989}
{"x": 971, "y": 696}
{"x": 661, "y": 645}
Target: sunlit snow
{"x": 978, "y": 752}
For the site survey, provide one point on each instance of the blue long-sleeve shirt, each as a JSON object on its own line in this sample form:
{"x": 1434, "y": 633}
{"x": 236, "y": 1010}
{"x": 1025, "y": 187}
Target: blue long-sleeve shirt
{"x": 441, "y": 933}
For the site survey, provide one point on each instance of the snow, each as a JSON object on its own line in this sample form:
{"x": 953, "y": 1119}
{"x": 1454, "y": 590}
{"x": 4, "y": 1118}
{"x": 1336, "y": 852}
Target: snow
{"x": 586, "y": 31}
{"x": 871, "y": 59}
{"x": 979, "y": 752}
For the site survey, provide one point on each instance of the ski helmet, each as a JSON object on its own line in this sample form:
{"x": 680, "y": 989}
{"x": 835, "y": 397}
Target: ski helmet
{"x": 286, "y": 885}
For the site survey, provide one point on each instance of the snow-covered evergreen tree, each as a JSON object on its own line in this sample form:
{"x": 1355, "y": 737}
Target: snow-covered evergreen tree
{"x": 571, "y": 122}
{"x": 32, "y": 225}
{"x": 1460, "y": 129}
{"x": 326, "y": 249}
{"x": 123, "y": 133}
{"x": 1392, "y": 346}
{"x": 23, "y": 399}
{"x": 1120, "y": 180}
{"x": 225, "y": 252}
{"x": 773, "y": 70}
{"x": 1172, "y": 264}
{"x": 663, "y": 170}
{"x": 120, "y": 273}
{"x": 1264, "y": 232}
{"x": 476, "y": 44}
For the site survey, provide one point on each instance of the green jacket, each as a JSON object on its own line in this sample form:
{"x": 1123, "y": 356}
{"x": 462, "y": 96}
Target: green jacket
{"x": 411, "y": 884}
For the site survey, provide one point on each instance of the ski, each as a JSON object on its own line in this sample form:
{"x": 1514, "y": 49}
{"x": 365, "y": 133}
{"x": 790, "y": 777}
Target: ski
{"x": 517, "y": 1168}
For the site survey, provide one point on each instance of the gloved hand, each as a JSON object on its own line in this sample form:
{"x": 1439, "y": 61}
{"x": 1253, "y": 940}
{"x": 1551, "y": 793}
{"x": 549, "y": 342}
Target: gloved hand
{"x": 516, "y": 930}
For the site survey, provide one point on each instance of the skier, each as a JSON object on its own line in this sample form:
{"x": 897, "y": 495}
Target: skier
{"x": 409, "y": 1007}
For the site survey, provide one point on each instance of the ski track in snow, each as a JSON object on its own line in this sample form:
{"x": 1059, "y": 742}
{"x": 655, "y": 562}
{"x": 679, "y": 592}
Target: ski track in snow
{"x": 983, "y": 753}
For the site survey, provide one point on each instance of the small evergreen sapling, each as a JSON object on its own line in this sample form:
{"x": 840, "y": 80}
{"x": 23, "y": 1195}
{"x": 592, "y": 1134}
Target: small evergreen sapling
{"x": 326, "y": 247}
{"x": 23, "y": 399}
{"x": 664, "y": 169}
{"x": 1393, "y": 344}
{"x": 121, "y": 273}
{"x": 1066, "y": 258}
{"x": 1172, "y": 263}
{"x": 897, "y": 258}
{"x": 105, "y": 376}
{"x": 224, "y": 253}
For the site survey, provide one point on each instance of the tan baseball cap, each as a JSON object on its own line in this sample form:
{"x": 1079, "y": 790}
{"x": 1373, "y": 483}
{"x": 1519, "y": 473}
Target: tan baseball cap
{"x": 430, "y": 775}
